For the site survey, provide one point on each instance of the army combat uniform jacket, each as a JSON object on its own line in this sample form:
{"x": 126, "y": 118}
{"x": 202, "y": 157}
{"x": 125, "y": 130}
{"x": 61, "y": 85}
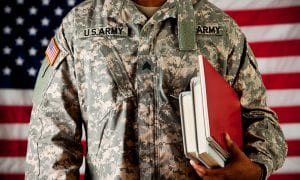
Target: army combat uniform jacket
{"x": 119, "y": 75}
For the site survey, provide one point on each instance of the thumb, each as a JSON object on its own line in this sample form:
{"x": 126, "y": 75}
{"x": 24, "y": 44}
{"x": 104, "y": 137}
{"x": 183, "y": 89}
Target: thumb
{"x": 233, "y": 148}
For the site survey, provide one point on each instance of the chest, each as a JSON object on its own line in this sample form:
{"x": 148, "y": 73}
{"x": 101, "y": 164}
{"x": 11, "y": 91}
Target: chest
{"x": 148, "y": 53}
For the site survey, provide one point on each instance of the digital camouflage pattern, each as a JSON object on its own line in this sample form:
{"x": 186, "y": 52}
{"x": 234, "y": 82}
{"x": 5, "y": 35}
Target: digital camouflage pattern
{"x": 123, "y": 86}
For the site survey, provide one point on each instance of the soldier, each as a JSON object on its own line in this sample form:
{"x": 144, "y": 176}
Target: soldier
{"x": 117, "y": 67}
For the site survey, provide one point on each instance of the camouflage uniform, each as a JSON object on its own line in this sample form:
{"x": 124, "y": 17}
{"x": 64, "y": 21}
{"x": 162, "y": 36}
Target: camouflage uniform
{"x": 119, "y": 74}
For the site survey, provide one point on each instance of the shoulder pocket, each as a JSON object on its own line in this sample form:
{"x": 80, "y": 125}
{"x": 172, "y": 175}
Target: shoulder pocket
{"x": 44, "y": 76}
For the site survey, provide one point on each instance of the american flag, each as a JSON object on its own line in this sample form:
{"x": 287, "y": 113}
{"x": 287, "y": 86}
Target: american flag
{"x": 271, "y": 26}
{"x": 52, "y": 51}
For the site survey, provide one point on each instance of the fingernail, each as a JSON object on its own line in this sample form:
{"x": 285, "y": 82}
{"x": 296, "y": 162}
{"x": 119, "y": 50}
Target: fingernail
{"x": 228, "y": 138}
{"x": 192, "y": 162}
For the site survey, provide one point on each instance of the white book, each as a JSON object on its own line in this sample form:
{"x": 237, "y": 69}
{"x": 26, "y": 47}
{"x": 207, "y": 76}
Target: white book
{"x": 211, "y": 157}
{"x": 188, "y": 125}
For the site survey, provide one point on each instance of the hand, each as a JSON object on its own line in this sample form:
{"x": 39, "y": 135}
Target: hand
{"x": 240, "y": 166}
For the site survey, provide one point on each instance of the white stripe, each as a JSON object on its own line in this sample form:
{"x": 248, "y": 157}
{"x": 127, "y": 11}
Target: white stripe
{"x": 82, "y": 168}
{"x": 16, "y": 165}
{"x": 291, "y": 131}
{"x": 13, "y": 131}
{"x": 10, "y": 165}
{"x": 254, "y": 4}
{"x": 291, "y": 165}
{"x": 279, "y": 65}
{"x": 19, "y": 131}
{"x": 272, "y": 32}
{"x": 15, "y": 97}
{"x": 283, "y": 98}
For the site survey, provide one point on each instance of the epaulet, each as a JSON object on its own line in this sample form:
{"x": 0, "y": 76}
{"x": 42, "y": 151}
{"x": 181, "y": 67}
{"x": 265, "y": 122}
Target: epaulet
{"x": 186, "y": 25}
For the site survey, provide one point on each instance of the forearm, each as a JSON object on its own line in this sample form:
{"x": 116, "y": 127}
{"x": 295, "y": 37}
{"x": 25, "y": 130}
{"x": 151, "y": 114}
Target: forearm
{"x": 265, "y": 142}
{"x": 263, "y": 137}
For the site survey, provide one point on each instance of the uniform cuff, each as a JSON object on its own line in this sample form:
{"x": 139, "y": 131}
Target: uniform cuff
{"x": 263, "y": 175}
{"x": 265, "y": 164}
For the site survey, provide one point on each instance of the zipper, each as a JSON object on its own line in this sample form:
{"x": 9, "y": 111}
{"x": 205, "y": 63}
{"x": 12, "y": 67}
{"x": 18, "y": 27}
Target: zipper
{"x": 156, "y": 127}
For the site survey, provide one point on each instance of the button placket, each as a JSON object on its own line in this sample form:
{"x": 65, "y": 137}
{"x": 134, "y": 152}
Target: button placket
{"x": 146, "y": 84}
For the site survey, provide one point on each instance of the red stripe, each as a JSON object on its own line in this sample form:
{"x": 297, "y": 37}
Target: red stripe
{"x": 276, "y": 48}
{"x": 266, "y": 16}
{"x": 22, "y": 176}
{"x": 83, "y": 143}
{"x": 288, "y": 114}
{"x": 12, "y": 176}
{"x": 15, "y": 114}
{"x": 281, "y": 81}
{"x": 13, "y": 148}
{"x": 17, "y": 148}
{"x": 293, "y": 147}
{"x": 295, "y": 176}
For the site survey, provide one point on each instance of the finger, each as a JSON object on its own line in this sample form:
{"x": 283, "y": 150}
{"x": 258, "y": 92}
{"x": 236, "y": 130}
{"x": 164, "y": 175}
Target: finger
{"x": 201, "y": 170}
{"x": 215, "y": 172}
{"x": 233, "y": 148}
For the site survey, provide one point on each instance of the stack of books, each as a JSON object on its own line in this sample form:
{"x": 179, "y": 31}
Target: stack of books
{"x": 209, "y": 110}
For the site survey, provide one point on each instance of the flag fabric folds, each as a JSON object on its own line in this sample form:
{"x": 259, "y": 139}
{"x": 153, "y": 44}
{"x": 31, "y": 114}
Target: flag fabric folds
{"x": 272, "y": 28}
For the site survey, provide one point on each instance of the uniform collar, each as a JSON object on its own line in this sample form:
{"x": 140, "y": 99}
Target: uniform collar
{"x": 167, "y": 10}
{"x": 111, "y": 8}
{"x": 115, "y": 8}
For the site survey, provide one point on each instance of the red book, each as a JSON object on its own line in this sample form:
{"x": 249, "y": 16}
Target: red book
{"x": 224, "y": 109}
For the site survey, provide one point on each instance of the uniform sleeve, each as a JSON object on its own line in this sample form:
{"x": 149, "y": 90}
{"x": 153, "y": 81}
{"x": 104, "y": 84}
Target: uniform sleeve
{"x": 264, "y": 142}
{"x": 55, "y": 129}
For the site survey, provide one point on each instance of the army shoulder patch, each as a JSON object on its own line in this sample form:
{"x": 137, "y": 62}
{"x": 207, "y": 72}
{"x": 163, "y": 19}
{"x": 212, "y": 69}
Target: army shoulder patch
{"x": 52, "y": 52}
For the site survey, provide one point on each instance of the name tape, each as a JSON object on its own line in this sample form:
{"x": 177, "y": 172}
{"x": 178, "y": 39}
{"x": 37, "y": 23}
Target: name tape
{"x": 215, "y": 30}
{"x": 105, "y": 31}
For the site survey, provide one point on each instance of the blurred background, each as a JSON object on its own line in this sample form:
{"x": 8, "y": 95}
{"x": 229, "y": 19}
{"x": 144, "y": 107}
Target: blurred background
{"x": 271, "y": 26}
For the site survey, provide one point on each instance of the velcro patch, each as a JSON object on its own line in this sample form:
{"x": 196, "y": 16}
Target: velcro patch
{"x": 52, "y": 52}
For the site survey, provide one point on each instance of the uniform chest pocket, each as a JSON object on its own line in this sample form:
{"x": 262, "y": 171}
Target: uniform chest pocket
{"x": 177, "y": 71}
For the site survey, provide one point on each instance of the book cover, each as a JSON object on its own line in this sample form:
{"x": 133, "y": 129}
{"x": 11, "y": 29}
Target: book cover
{"x": 188, "y": 125}
{"x": 223, "y": 106}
